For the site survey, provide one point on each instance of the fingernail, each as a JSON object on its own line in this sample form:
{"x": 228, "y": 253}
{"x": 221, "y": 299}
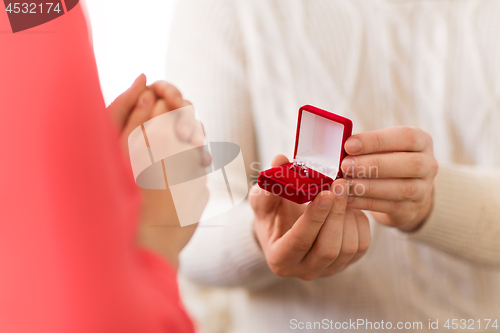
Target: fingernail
{"x": 353, "y": 146}
{"x": 348, "y": 165}
{"x": 325, "y": 202}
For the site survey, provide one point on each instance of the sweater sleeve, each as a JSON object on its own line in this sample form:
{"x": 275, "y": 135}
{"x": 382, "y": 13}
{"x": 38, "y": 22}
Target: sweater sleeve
{"x": 465, "y": 220}
{"x": 206, "y": 61}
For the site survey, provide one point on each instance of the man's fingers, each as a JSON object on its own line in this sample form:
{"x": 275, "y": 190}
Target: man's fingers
{"x": 328, "y": 244}
{"x": 364, "y": 234}
{"x": 390, "y": 165}
{"x": 391, "y": 139}
{"x": 279, "y": 160}
{"x": 123, "y": 104}
{"x": 294, "y": 245}
{"x": 349, "y": 241}
{"x": 401, "y": 189}
{"x": 327, "y": 208}
{"x": 381, "y": 206}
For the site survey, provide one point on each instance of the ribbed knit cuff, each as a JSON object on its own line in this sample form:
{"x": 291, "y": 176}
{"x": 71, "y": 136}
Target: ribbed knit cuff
{"x": 456, "y": 221}
{"x": 246, "y": 255}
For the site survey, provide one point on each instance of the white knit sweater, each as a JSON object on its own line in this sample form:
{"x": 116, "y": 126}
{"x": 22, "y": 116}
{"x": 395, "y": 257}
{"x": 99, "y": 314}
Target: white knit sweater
{"x": 248, "y": 65}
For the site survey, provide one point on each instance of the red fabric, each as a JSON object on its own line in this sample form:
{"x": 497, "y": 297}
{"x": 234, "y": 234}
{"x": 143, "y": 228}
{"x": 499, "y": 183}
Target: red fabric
{"x": 68, "y": 205}
{"x": 287, "y": 174}
{"x": 293, "y": 184}
{"x": 331, "y": 116}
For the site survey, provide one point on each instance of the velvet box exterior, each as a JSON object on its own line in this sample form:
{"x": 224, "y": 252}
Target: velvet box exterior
{"x": 319, "y": 151}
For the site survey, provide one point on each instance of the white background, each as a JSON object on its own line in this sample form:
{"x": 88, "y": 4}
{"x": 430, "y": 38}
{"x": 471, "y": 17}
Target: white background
{"x": 129, "y": 38}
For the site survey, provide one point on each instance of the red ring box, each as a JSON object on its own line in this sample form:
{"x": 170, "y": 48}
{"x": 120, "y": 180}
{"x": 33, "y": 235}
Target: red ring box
{"x": 319, "y": 147}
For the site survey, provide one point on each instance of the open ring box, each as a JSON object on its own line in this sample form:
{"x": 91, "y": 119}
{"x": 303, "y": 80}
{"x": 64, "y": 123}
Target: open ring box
{"x": 319, "y": 151}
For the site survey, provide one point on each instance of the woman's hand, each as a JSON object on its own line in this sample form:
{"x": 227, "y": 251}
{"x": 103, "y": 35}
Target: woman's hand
{"x": 132, "y": 108}
{"x": 160, "y": 228}
{"x": 393, "y": 173}
{"x": 309, "y": 241}
{"x": 141, "y": 103}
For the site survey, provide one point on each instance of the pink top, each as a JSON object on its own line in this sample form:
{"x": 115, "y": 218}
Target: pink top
{"x": 69, "y": 208}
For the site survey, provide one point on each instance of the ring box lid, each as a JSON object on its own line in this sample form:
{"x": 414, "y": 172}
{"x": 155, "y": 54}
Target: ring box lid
{"x": 320, "y": 140}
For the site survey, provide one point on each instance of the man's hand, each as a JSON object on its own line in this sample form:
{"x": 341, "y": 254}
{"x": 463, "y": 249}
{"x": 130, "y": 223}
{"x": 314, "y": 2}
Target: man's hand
{"x": 393, "y": 173}
{"x": 309, "y": 241}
